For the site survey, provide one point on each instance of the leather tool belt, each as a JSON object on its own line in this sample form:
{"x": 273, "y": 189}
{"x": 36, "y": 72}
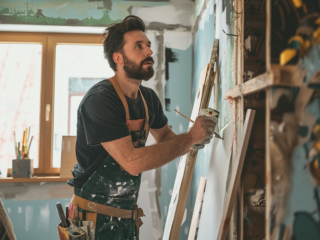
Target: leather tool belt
{"x": 85, "y": 204}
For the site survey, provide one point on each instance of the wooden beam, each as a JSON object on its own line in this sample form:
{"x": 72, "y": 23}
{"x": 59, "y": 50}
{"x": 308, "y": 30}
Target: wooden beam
{"x": 256, "y": 84}
{"x": 268, "y": 35}
{"x": 236, "y": 175}
{"x": 268, "y": 166}
{"x": 288, "y": 75}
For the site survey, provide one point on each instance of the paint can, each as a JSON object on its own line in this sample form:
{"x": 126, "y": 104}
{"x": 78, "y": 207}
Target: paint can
{"x": 77, "y": 236}
{"x": 210, "y": 112}
{"x": 76, "y": 233}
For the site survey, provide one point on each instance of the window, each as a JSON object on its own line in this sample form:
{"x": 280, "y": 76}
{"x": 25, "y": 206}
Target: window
{"x": 43, "y": 78}
{"x": 20, "y": 92}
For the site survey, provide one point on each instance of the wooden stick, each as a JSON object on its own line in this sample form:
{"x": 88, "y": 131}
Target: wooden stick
{"x": 28, "y": 149}
{"x": 268, "y": 210}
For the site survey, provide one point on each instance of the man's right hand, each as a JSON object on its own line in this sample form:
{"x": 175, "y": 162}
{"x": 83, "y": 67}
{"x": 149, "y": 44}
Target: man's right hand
{"x": 202, "y": 129}
{"x": 137, "y": 160}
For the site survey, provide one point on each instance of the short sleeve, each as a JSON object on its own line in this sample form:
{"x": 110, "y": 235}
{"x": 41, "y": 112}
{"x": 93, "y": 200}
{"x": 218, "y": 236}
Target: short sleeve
{"x": 160, "y": 120}
{"x": 103, "y": 117}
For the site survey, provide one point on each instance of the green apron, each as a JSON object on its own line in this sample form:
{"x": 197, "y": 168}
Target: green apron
{"x": 112, "y": 186}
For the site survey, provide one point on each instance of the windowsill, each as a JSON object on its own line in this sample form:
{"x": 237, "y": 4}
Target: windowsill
{"x": 34, "y": 179}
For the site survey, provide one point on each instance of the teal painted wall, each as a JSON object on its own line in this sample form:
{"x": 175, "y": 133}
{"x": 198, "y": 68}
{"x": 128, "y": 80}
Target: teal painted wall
{"x": 179, "y": 85}
{"x": 203, "y": 40}
{"x": 35, "y": 219}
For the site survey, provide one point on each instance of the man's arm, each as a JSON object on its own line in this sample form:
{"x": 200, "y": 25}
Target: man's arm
{"x": 162, "y": 134}
{"x": 137, "y": 160}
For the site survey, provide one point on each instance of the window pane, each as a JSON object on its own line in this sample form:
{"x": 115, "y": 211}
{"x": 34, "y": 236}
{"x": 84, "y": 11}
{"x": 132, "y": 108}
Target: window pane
{"x": 77, "y": 68}
{"x": 20, "y": 82}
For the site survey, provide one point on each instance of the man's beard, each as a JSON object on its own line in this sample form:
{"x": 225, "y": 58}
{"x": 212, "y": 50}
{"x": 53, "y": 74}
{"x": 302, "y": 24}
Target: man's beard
{"x": 136, "y": 71}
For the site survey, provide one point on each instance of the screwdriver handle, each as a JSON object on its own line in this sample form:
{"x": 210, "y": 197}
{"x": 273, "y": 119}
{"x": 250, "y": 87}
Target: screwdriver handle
{"x": 61, "y": 215}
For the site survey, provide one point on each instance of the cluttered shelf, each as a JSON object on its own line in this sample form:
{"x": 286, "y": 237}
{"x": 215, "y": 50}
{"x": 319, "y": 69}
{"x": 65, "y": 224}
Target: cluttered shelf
{"x": 279, "y": 76}
{"x": 34, "y": 179}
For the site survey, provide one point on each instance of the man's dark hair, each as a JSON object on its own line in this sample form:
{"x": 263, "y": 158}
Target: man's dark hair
{"x": 113, "y": 34}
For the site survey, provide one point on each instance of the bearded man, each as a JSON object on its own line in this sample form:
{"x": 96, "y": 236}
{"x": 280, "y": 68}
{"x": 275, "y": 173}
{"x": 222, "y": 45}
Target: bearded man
{"x": 114, "y": 120}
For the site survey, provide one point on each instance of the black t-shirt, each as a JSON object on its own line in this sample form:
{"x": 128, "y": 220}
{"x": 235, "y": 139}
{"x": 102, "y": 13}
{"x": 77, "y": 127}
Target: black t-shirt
{"x": 102, "y": 118}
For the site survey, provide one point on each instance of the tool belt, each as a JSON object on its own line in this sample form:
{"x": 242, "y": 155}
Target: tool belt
{"x": 87, "y": 205}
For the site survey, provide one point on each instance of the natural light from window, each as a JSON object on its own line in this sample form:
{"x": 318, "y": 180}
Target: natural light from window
{"x": 77, "y": 68}
{"x": 20, "y": 88}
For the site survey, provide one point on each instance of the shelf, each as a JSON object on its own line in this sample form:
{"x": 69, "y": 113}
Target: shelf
{"x": 279, "y": 76}
{"x": 34, "y": 179}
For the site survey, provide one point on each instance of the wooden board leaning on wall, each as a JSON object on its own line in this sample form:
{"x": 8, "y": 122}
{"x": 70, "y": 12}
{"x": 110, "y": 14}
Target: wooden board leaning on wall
{"x": 177, "y": 206}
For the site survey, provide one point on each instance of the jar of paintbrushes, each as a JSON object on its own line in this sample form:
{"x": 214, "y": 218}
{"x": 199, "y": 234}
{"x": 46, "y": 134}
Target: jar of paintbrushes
{"x": 22, "y": 167}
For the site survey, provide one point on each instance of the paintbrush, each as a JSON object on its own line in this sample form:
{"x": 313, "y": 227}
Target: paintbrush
{"x": 215, "y": 133}
{"x": 15, "y": 144}
{"x": 28, "y": 148}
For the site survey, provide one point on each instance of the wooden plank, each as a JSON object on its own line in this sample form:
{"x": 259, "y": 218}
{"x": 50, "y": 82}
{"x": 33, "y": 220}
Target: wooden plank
{"x": 241, "y": 212}
{"x": 241, "y": 68}
{"x": 6, "y": 226}
{"x": 191, "y": 156}
{"x": 197, "y": 208}
{"x": 288, "y": 75}
{"x": 268, "y": 36}
{"x": 239, "y": 104}
{"x": 183, "y": 162}
{"x": 268, "y": 165}
{"x": 210, "y": 76}
{"x": 236, "y": 175}
{"x": 254, "y": 85}
{"x": 183, "y": 194}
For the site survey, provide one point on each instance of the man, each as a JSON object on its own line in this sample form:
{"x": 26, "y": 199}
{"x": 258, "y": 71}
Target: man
{"x": 114, "y": 119}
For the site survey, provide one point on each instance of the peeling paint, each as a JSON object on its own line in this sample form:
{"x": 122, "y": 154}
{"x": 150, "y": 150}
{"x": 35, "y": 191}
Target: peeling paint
{"x": 177, "y": 39}
{"x": 95, "y": 13}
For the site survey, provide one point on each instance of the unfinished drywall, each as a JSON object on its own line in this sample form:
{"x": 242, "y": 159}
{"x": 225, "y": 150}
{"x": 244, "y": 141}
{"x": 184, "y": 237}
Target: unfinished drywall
{"x": 96, "y": 13}
{"x": 215, "y": 191}
{"x": 295, "y": 154}
{"x": 213, "y": 18}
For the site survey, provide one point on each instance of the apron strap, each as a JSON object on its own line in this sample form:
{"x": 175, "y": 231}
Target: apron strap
{"x": 147, "y": 114}
{"x": 119, "y": 91}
